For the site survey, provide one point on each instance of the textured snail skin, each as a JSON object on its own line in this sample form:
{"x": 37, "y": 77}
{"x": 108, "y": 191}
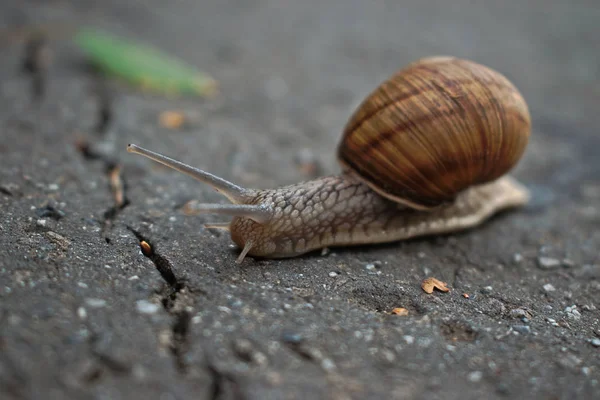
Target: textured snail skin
{"x": 341, "y": 210}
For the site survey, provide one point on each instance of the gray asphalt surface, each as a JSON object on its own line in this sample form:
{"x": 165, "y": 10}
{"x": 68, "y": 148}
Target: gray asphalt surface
{"x": 84, "y": 314}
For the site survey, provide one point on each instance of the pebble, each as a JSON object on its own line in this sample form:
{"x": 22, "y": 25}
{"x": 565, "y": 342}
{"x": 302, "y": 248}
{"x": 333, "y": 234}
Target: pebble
{"x": 325, "y": 251}
{"x": 41, "y": 222}
{"x": 552, "y": 321}
{"x": 82, "y": 285}
{"x": 408, "y": 339}
{"x": 327, "y": 364}
{"x": 487, "y": 290}
{"x": 517, "y": 258}
{"x": 595, "y": 342}
{"x": 520, "y": 313}
{"x": 549, "y": 287}
{"x": 548, "y": 263}
{"x": 522, "y": 329}
{"x": 370, "y": 266}
{"x": 568, "y": 263}
{"x": 81, "y": 313}
{"x": 572, "y": 312}
{"x": 146, "y": 307}
{"x": 475, "y": 376}
{"x": 95, "y": 303}
{"x": 388, "y": 355}
{"x": 292, "y": 338}
{"x": 333, "y": 274}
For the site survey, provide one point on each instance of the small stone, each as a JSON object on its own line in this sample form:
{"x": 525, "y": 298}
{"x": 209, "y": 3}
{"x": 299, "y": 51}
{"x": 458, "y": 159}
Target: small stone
{"x": 146, "y": 307}
{"x": 95, "y": 303}
{"x": 327, "y": 364}
{"x": 595, "y": 342}
{"x": 572, "y": 310}
{"x": 549, "y": 287}
{"x": 53, "y": 187}
{"x": 133, "y": 278}
{"x": 59, "y": 240}
{"x": 370, "y": 266}
{"x": 325, "y": 251}
{"x": 487, "y": 290}
{"x": 408, "y": 339}
{"x": 568, "y": 263}
{"x": 475, "y": 376}
{"x": 522, "y": 329}
{"x": 333, "y": 274}
{"x": 292, "y": 338}
{"x": 517, "y": 258}
{"x": 569, "y": 361}
{"x": 41, "y": 222}
{"x": 388, "y": 356}
{"x": 520, "y": 313}
{"x": 548, "y": 263}
{"x": 224, "y": 309}
{"x": 81, "y": 313}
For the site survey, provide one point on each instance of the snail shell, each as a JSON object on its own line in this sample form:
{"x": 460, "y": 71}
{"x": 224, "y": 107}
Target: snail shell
{"x": 435, "y": 128}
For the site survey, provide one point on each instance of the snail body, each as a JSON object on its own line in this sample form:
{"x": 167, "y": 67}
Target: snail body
{"x": 425, "y": 153}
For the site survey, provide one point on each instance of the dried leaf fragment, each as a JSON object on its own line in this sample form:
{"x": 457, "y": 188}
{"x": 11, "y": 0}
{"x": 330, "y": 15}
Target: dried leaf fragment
{"x": 400, "y": 311}
{"x": 59, "y": 240}
{"x": 171, "y": 119}
{"x": 117, "y": 186}
{"x": 431, "y": 283}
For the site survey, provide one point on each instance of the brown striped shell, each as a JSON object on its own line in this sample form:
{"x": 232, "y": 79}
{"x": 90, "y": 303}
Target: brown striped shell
{"x": 433, "y": 129}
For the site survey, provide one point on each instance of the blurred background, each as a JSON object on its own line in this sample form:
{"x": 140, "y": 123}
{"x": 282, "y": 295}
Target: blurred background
{"x": 291, "y": 72}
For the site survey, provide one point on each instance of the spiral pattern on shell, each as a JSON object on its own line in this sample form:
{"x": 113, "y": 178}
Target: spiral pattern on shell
{"x": 433, "y": 129}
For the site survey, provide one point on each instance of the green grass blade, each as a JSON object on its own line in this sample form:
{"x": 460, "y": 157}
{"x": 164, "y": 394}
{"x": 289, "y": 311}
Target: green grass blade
{"x": 143, "y": 65}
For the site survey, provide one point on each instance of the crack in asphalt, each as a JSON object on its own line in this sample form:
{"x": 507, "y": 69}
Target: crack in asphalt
{"x": 117, "y": 184}
{"x": 35, "y": 63}
{"x": 105, "y": 108}
{"x": 162, "y": 264}
{"x": 223, "y": 385}
{"x": 182, "y": 318}
{"x": 179, "y": 346}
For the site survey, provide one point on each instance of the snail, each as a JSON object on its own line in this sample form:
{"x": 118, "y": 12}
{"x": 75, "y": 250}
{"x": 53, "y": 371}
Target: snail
{"x": 427, "y": 152}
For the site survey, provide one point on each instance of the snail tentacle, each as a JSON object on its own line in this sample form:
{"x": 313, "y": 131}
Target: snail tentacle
{"x": 236, "y": 194}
